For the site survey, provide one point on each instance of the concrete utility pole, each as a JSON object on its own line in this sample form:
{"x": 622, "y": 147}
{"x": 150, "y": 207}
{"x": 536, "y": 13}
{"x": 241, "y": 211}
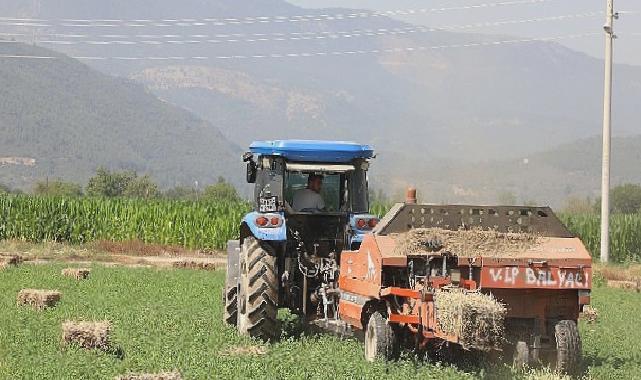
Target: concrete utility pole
{"x": 607, "y": 132}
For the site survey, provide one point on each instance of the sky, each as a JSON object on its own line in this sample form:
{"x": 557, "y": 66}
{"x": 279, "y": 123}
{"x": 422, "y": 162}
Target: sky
{"x": 627, "y": 28}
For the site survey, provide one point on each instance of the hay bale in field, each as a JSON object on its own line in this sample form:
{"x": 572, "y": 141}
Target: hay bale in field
{"x": 245, "y": 351}
{"x": 7, "y": 260}
{"x": 476, "y": 318}
{"x": 88, "y": 335}
{"x": 38, "y": 299}
{"x": 627, "y": 285}
{"x": 175, "y": 375}
{"x": 77, "y": 273}
{"x": 590, "y": 314}
{"x": 200, "y": 265}
{"x": 465, "y": 243}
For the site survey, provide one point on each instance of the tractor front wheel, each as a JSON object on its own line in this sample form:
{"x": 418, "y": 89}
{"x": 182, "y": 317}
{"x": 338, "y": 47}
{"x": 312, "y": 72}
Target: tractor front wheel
{"x": 568, "y": 347}
{"x": 379, "y": 339}
{"x": 258, "y": 292}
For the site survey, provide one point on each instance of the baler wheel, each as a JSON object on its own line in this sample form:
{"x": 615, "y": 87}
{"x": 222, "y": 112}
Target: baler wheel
{"x": 230, "y": 300}
{"x": 521, "y": 355}
{"x": 379, "y": 339}
{"x": 258, "y": 293}
{"x": 568, "y": 347}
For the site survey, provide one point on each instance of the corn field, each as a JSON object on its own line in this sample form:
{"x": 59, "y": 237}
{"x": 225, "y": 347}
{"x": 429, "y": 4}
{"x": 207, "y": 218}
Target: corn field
{"x": 209, "y": 224}
{"x": 625, "y": 234}
{"x": 193, "y": 225}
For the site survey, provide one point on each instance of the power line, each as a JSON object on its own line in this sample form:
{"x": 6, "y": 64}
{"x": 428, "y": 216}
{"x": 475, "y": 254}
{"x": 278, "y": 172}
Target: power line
{"x": 191, "y": 22}
{"x": 151, "y": 39}
{"x": 321, "y": 54}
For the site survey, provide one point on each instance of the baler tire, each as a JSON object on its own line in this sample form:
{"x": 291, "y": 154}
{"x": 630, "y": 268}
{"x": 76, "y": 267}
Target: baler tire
{"x": 258, "y": 295}
{"x": 379, "y": 339}
{"x": 568, "y": 347}
{"x": 521, "y": 355}
{"x": 230, "y": 300}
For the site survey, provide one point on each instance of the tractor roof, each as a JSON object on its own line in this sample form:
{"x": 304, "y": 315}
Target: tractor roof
{"x": 312, "y": 150}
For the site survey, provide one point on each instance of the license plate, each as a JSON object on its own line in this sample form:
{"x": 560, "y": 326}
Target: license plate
{"x": 268, "y": 204}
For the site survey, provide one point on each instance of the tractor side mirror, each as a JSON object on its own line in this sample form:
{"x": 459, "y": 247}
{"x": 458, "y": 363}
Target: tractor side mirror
{"x": 251, "y": 167}
{"x": 251, "y": 172}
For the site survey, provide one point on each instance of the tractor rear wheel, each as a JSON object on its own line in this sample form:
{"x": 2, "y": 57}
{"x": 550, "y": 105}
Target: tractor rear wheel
{"x": 258, "y": 292}
{"x": 379, "y": 338}
{"x": 230, "y": 302}
{"x": 568, "y": 347}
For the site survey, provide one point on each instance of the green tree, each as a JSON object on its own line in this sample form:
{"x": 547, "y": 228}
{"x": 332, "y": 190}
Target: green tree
{"x": 118, "y": 184}
{"x": 141, "y": 187}
{"x": 57, "y": 188}
{"x": 221, "y": 191}
{"x": 625, "y": 199}
{"x": 182, "y": 192}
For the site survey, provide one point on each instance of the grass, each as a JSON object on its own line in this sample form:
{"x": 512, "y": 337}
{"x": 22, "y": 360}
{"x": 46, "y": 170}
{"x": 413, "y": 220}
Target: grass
{"x": 171, "y": 319}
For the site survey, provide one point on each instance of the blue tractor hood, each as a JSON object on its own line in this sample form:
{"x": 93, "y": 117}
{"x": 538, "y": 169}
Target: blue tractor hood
{"x": 312, "y": 150}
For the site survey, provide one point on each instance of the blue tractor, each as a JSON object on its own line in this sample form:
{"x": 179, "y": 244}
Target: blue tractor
{"x": 290, "y": 245}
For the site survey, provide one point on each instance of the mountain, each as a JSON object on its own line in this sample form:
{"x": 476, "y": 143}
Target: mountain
{"x": 60, "y": 118}
{"x": 546, "y": 177}
{"x": 433, "y": 103}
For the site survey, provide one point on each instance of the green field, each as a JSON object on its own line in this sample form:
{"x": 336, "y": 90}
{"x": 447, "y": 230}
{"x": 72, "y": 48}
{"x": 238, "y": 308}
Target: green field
{"x": 171, "y": 319}
{"x": 209, "y": 224}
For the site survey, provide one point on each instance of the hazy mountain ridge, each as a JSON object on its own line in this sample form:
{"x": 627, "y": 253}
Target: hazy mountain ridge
{"x": 71, "y": 119}
{"x": 432, "y": 115}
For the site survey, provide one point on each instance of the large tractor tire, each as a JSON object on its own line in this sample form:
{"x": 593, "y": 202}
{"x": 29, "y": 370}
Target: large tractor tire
{"x": 230, "y": 290}
{"x": 258, "y": 292}
{"x": 230, "y": 302}
{"x": 568, "y": 347}
{"x": 379, "y": 339}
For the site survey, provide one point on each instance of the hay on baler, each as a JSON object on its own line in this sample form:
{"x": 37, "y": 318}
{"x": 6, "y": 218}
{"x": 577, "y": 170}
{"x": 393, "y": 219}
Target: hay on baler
{"x": 77, "y": 273}
{"x": 465, "y": 243}
{"x": 38, "y": 299}
{"x": 88, "y": 335}
{"x": 175, "y": 375}
{"x": 476, "y": 318}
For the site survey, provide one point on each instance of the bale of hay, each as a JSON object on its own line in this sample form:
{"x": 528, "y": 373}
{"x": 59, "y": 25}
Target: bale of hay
{"x": 7, "y": 260}
{"x": 627, "y": 285}
{"x": 77, "y": 273}
{"x": 38, "y": 299}
{"x": 175, "y": 375}
{"x": 476, "y": 318}
{"x": 589, "y": 314}
{"x": 199, "y": 265}
{"x": 464, "y": 243}
{"x": 88, "y": 335}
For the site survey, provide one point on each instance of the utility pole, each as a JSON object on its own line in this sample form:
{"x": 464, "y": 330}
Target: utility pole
{"x": 607, "y": 132}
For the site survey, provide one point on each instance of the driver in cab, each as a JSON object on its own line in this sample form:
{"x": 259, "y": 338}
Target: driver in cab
{"x": 309, "y": 199}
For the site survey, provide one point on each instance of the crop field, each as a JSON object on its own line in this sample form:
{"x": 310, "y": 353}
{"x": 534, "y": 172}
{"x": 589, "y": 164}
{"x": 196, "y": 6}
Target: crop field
{"x": 166, "y": 320}
{"x": 193, "y": 225}
{"x": 208, "y": 225}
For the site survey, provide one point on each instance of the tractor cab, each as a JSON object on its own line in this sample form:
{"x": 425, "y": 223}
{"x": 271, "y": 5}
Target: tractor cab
{"x": 289, "y": 250}
{"x": 281, "y": 171}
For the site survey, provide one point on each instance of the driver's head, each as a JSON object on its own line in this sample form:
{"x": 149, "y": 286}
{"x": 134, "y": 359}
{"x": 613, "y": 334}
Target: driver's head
{"x": 315, "y": 182}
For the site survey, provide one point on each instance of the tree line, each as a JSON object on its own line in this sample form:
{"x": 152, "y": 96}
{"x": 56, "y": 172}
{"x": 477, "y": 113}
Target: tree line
{"x": 128, "y": 184}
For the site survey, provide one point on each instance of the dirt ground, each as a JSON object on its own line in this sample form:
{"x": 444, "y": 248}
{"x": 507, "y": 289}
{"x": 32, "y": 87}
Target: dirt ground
{"x": 115, "y": 254}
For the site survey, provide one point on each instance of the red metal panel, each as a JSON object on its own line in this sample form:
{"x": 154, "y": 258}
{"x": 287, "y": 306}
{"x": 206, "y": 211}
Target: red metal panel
{"x": 410, "y": 293}
{"x": 350, "y": 313}
{"x": 403, "y": 318}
